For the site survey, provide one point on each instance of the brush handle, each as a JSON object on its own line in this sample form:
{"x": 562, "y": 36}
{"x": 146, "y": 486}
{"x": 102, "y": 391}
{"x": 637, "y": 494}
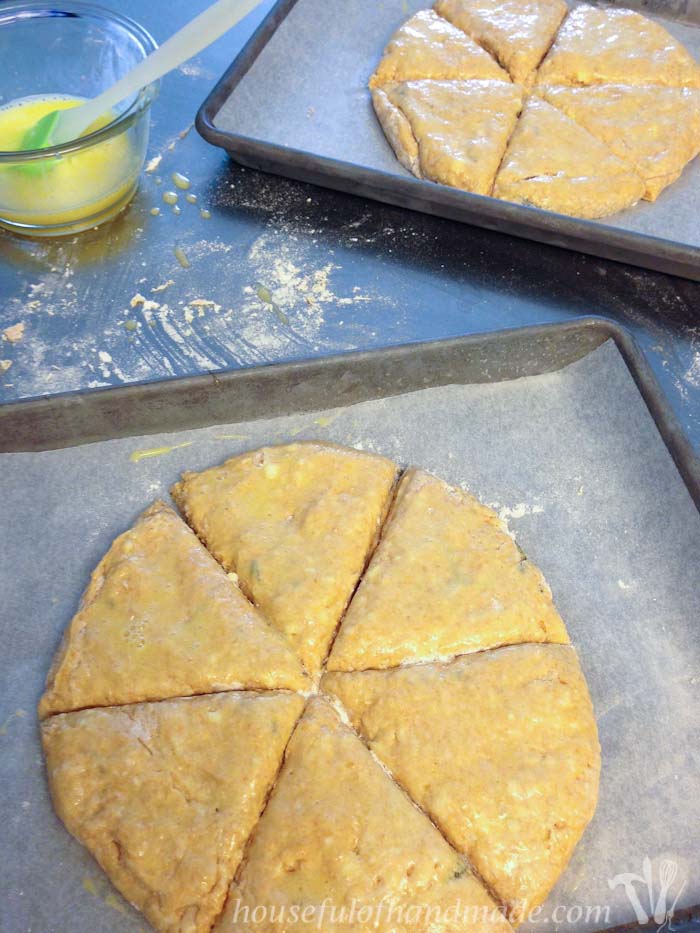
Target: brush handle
{"x": 187, "y": 42}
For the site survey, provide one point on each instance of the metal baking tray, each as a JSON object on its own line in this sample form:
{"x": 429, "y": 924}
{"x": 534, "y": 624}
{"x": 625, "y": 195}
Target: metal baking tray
{"x": 65, "y": 420}
{"x": 295, "y": 102}
{"x": 561, "y": 427}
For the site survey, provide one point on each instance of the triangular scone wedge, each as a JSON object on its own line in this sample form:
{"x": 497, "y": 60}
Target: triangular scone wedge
{"x": 553, "y": 163}
{"x": 517, "y": 32}
{"x": 296, "y": 523}
{"x": 427, "y": 46}
{"x": 603, "y": 45}
{"x": 338, "y": 831}
{"x": 164, "y": 795}
{"x": 656, "y": 129}
{"x": 445, "y": 579}
{"x": 160, "y": 618}
{"x": 451, "y": 132}
{"x": 499, "y": 748}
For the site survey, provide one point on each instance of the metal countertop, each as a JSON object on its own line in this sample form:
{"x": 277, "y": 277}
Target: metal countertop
{"x": 345, "y": 273}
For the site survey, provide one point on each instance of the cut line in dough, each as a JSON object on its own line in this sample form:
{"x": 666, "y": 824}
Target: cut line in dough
{"x": 517, "y": 32}
{"x": 451, "y": 132}
{"x": 555, "y": 164}
{"x": 428, "y": 46}
{"x": 603, "y": 45}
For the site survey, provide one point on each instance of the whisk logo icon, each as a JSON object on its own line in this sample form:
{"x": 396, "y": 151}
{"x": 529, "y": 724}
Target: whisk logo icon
{"x": 642, "y": 889}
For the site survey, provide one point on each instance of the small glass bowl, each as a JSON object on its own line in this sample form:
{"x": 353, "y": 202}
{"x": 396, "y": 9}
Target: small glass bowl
{"x": 72, "y": 49}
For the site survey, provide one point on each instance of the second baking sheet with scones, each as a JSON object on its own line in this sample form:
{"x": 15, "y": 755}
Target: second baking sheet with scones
{"x": 583, "y": 111}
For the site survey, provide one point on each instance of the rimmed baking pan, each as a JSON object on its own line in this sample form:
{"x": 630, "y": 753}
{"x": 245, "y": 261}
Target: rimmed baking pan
{"x": 561, "y": 427}
{"x": 295, "y": 103}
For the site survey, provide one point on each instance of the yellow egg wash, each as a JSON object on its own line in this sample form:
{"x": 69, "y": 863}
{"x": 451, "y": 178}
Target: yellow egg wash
{"x": 64, "y": 189}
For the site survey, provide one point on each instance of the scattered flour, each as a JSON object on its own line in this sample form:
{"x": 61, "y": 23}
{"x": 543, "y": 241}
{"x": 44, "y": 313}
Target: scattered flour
{"x": 299, "y": 288}
{"x": 117, "y": 328}
{"x": 190, "y": 69}
{"x": 692, "y": 373}
{"x": 515, "y": 511}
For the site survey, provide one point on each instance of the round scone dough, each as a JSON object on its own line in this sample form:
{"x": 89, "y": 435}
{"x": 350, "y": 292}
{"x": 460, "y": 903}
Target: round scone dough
{"x": 615, "y": 74}
{"x": 433, "y": 792}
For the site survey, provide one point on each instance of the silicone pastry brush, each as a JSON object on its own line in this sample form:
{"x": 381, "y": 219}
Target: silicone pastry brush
{"x": 61, "y": 126}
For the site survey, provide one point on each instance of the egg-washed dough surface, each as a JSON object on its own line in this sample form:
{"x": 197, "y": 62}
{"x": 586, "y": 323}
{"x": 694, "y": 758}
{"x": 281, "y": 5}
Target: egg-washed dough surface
{"x": 656, "y": 129}
{"x": 600, "y": 45}
{"x": 500, "y": 749}
{"x": 553, "y": 163}
{"x": 160, "y": 618}
{"x": 165, "y": 795}
{"x": 296, "y": 523}
{"x": 452, "y": 132}
{"x": 516, "y": 32}
{"x": 428, "y": 125}
{"x": 445, "y": 579}
{"x": 171, "y": 795}
{"x": 337, "y": 827}
{"x": 428, "y": 46}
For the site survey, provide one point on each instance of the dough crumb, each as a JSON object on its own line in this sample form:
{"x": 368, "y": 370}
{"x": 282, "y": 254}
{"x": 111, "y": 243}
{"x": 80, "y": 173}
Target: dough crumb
{"x": 204, "y": 303}
{"x": 14, "y": 333}
{"x": 161, "y": 288}
{"x": 145, "y": 303}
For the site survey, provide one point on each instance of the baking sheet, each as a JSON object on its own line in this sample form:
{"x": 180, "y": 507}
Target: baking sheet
{"x": 574, "y": 462}
{"x": 307, "y": 91}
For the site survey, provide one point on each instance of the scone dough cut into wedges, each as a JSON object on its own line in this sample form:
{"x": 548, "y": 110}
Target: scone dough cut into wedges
{"x": 600, "y": 45}
{"x": 164, "y": 795}
{"x": 499, "y": 748}
{"x": 517, "y": 32}
{"x": 451, "y": 132}
{"x": 427, "y": 46}
{"x": 296, "y": 523}
{"x": 655, "y": 129}
{"x": 445, "y": 579}
{"x": 553, "y": 163}
{"x": 160, "y": 618}
{"x": 337, "y": 829}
